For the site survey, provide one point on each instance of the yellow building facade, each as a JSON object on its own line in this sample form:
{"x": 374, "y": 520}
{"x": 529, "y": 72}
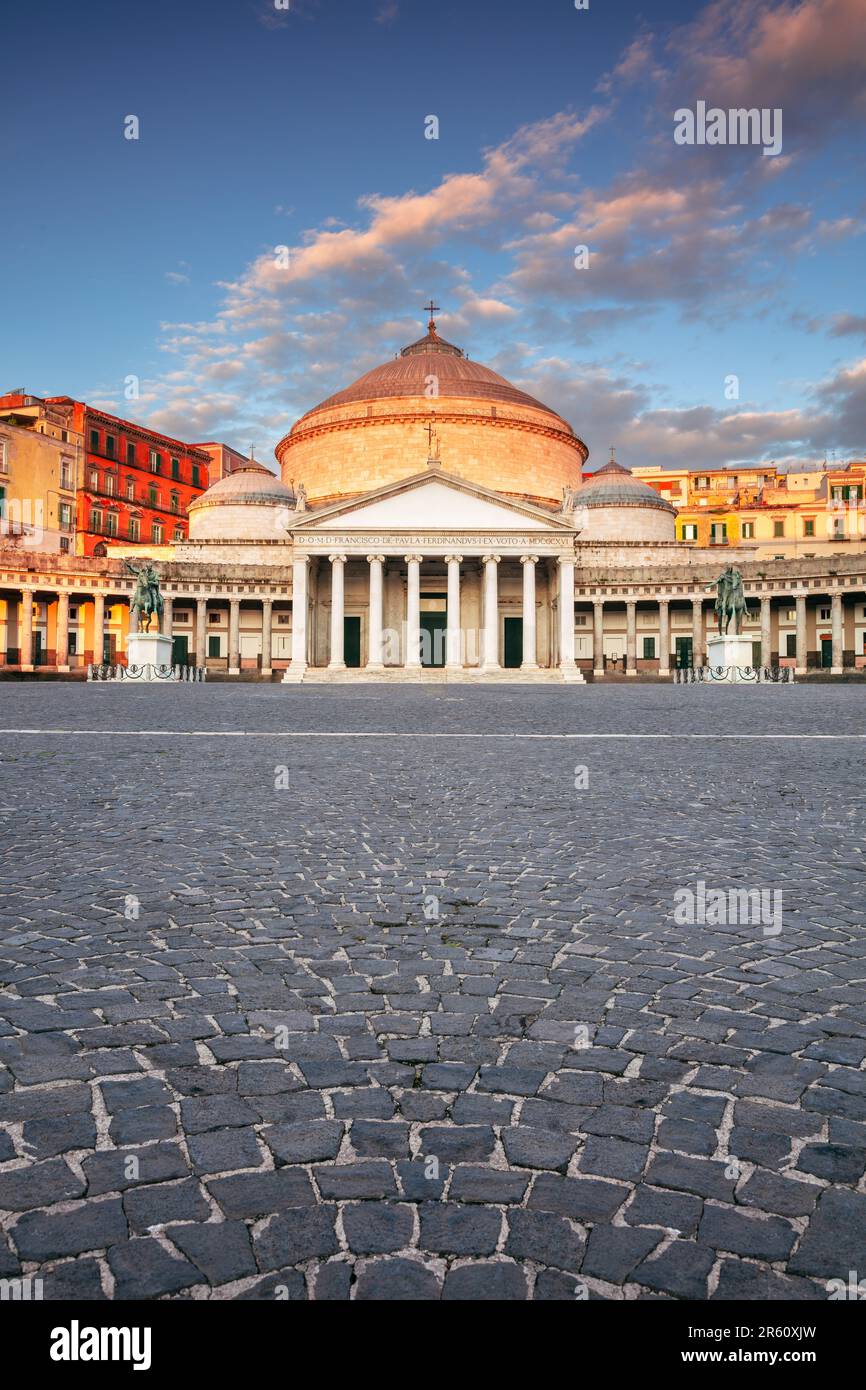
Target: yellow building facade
{"x": 780, "y": 514}
{"x": 39, "y": 469}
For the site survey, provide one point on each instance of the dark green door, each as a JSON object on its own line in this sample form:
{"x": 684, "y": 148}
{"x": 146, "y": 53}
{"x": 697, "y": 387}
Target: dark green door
{"x": 684, "y": 653}
{"x": 513, "y": 642}
{"x": 826, "y": 651}
{"x": 756, "y": 655}
{"x": 38, "y": 653}
{"x": 352, "y": 641}
{"x": 107, "y": 652}
{"x": 433, "y": 634}
{"x": 180, "y": 651}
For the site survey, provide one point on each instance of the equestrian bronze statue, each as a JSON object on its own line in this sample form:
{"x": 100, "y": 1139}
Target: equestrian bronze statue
{"x": 147, "y": 599}
{"x": 730, "y": 600}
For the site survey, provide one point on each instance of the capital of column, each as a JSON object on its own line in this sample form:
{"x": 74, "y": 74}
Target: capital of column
{"x": 454, "y": 559}
{"x": 371, "y": 559}
{"x": 410, "y": 558}
{"x": 494, "y": 559}
{"x": 338, "y": 559}
{"x": 529, "y": 559}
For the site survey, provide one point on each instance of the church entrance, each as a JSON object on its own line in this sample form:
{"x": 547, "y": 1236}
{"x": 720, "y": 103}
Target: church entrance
{"x": 513, "y": 643}
{"x": 433, "y": 638}
{"x": 352, "y": 641}
{"x": 434, "y": 625}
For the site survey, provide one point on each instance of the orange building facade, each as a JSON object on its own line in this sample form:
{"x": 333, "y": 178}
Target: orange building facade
{"x": 134, "y": 485}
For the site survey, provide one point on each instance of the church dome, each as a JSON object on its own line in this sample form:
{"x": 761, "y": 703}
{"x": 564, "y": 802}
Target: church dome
{"x": 619, "y": 506}
{"x": 375, "y": 431}
{"x": 246, "y": 504}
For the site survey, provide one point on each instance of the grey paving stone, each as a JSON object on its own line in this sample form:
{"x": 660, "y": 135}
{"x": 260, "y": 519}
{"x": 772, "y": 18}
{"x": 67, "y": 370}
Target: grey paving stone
{"x": 612, "y": 1252}
{"x": 294, "y": 1237}
{"x": 406, "y": 1281}
{"x": 222, "y": 1150}
{"x": 377, "y": 1228}
{"x": 369, "y": 1178}
{"x": 448, "y": 1228}
{"x": 160, "y": 1203}
{"x": 143, "y": 1269}
{"x": 762, "y": 1238}
{"x": 50, "y": 1235}
{"x": 221, "y": 1250}
{"x": 538, "y": 1148}
{"x": 544, "y": 1237}
{"x": 261, "y": 1194}
{"x": 493, "y": 1282}
{"x": 38, "y": 1185}
{"x": 306, "y": 1142}
{"x": 835, "y": 1237}
{"x": 682, "y": 1270}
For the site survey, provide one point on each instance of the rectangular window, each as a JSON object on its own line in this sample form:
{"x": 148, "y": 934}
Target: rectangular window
{"x": 130, "y": 455}
{"x": 152, "y": 496}
{"x": 95, "y": 520}
{"x": 649, "y": 648}
{"x": 748, "y": 530}
{"x": 109, "y": 484}
{"x": 72, "y": 647}
{"x": 175, "y": 468}
{"x": 195, "y": 475}
{"x": 155, "y": 461}
{"x": 134, "y": 528}
{"x": 130, "y": 489}
{"x": 109, "y": 445}
{"x": 778, "y": 528}
{"x": 718, "y": 533}
{"x": 808, "y": 528}
{"x": 791, "y": 644}
{"x": 94, "y": 479}
{"x": 838, "y": 528}
{"x": 790, "y": 615}
{"x": 65, "y": 516}
{"x": 824, "y": 615}
{"x": 690, "y": 531}
{"x": 111, "y": 523}
{"x": 175, "y": 502}
{"x": 178, "y": 533}
{"x": 66, "y": 473}
{"x": 94, "y": 441}
{"x": 64, "y": 545}
{"x": 4, "y": 463}
{"x": 156, "y": 533}
{"x": 213, "y": 617}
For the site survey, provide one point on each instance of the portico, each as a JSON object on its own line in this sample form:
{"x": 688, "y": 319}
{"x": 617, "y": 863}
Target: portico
{"x": 429, "y": 600}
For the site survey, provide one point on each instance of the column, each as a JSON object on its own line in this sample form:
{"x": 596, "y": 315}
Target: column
{"x": 490, "y": 654}
{"x": 201, "y": 632}
{"x": 598, "y": 638}
{"x": 338, "y": 572}
{"x": 766, "y": 631}
{"x": 566, "y": 612}
{"x": 167, "y": 615}
{"x": 802, "y": 651}
{"x": 630, "y": 637}
{"x": 267, "y": 624}
{"x": 453, "y": 642}
{"x": 61, "y": 640}
{"x": 664, "y": 637}
{"x": 413, "y": 612}
{"x": 25, "y": 630}
{"x": 300, "y": 572}
{"x": 234, "y": 637}
{"x": 98, "y": 628}
{"x": 838, "y": 633}
{"x": 530, "y": 639}
{"x": 376, "y": 614}
{"x": 697, "y": 633}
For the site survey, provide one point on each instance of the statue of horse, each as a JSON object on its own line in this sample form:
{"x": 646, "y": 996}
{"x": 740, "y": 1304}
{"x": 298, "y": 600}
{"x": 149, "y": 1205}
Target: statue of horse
{"x": 730, "y": 600}
{"x": 147, "y": 598}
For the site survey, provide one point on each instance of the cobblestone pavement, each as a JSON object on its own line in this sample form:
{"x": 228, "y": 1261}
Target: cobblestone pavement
{"x": 412, "y": 1017}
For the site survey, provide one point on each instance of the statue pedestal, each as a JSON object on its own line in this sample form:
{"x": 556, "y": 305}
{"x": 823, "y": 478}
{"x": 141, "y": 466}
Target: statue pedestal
{"x": 148, "y": 657}
{"x": 729, "y": 660}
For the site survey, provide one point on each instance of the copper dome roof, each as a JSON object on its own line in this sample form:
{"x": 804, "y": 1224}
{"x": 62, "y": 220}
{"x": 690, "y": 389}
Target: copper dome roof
{"x": 615, "y": 486}
{"x": 408, "y": 375}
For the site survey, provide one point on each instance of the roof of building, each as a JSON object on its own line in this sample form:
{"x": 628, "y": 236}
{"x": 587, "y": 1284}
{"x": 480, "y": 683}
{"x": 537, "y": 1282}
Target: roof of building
{"x": 457, "y": 376}
{"x": 615, "y": 486}
{"x": 251, "y": 485}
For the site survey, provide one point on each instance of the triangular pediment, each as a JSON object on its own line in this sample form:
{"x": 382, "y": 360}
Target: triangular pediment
{"x": 433, "y": 501}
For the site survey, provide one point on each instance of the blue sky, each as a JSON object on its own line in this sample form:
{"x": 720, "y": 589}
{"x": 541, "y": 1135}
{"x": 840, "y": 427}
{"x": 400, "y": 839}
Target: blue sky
{"x": 262, "y": 128}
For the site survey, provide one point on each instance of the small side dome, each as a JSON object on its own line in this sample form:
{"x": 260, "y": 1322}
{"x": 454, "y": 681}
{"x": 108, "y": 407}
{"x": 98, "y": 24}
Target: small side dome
{"x": 249, "y": 504}
{"x": 620, "y": 507}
